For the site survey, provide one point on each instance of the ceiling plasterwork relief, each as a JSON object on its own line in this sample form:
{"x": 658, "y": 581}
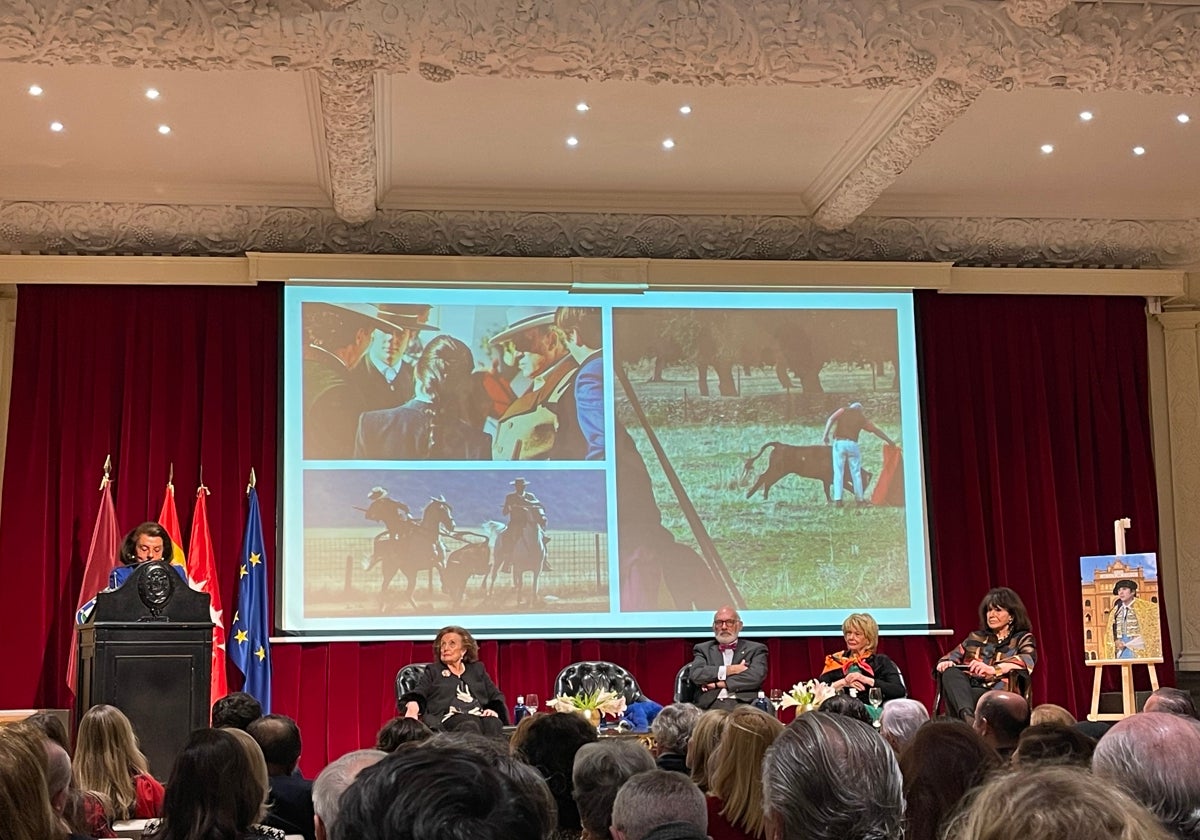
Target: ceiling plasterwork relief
{"x": 1034, "y": 13}
{"x": 938, "y": 106}
{"x": 28, "y": 227}
{"x": 347, "y": 110}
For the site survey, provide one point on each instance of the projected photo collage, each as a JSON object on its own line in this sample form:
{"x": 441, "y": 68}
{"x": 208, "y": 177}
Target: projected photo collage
{"x": 573, "y": 462}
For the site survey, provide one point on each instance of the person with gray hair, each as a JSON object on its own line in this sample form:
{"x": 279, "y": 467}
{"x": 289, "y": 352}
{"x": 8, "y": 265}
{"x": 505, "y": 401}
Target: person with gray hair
{"x": 1173, "y": 701}
{"x": 672, "y": 730}
{"x": 332, "y": 782}
{"x": 830, "y": 776}
{"x": 599, "y": 771}
{"x": 900, "y": 720}
{"x": 659, "y": 805}
{"x": 1155, "y": 758}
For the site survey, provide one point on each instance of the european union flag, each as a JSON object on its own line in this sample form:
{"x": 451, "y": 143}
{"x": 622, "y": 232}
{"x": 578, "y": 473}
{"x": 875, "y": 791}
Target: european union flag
{"x": 249, "y": 645}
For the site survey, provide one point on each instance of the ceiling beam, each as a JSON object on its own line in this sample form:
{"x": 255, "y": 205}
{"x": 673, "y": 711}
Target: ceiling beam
{"x": 348, "y": 114}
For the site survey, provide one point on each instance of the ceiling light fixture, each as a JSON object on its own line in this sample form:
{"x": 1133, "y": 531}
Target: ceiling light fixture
{"x": 56, "y": 126}
{"x": 572, "y": 141}
{"x": 1139, "y": 150}
{"x": 35, "y": 90}
{"x": 164, "y": 129}
{"x": 668, "y": 143}
{"x": 581, "y": 107}
{"x": 152, "y": 93}
{"x": 685, "y": 110}
{"x": 1184, "y": 119}
{"x": 1086, "y": 116}
{"x": 1047, "y": 148}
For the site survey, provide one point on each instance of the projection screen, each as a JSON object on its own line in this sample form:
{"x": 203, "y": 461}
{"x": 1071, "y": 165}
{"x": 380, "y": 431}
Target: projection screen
{"x": 537, "y": 463}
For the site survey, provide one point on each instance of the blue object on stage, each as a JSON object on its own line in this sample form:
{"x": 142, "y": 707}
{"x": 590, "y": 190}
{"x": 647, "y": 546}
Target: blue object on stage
{"x": 249, "y": 644}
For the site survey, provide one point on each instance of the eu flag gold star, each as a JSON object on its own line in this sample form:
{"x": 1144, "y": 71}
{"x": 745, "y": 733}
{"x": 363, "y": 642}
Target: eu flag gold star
{"x": 254, "y": 559}
{"x": 260, "y": 653}
{"x": 240, "y": 636}
{"x": 242, "y": 572}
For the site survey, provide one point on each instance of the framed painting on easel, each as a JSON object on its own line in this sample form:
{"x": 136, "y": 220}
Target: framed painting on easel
{"x": 1120, "y": 608}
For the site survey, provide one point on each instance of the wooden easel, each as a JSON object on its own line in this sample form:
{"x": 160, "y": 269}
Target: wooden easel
{"x": 1128, "y": 698}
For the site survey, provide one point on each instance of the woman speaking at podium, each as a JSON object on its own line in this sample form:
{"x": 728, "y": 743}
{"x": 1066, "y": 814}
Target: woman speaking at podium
{"x": 148, "y": 541}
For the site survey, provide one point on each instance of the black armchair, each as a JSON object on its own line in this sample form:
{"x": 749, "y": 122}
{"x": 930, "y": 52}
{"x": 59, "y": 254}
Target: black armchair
{"x": 685, "y": 689}
{"x": 580, "y": 677}
{"x": 407, "y": 679}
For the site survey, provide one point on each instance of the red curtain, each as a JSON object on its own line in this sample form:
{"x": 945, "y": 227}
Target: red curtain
{"x": 1037, "y": 429}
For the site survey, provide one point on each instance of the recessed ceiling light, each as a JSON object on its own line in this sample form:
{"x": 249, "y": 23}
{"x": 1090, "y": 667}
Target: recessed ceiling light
{"x": 1139, "y": 150}
{"x": 581, "y": 107}
{"x": 35, "y": 90}
{"x": 1086, "y": 116}
{"x": 164, "y": 129}
{"x": 1184, "y": 119}
{"x": 56, "y": 126}
{"x": 572, "y": 141}
{"x": 668, "y": 143}
{"x": 152, "y": 93}
{"x": 1047, "y": 148}
{"x": 685, "y": 110}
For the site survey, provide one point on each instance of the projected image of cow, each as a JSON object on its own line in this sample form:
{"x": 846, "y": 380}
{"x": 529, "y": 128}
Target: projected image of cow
{"x": 450, "y": 542}
{"x": 782, "y": 486}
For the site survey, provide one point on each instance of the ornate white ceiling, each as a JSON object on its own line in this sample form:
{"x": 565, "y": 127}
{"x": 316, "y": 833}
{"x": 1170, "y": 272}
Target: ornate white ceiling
{"x": 859, "y": 130}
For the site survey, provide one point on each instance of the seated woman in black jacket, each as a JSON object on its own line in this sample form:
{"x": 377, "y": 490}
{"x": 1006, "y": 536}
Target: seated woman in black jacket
{"x": 456, "y": 691}
{"x": 859, "y": 667}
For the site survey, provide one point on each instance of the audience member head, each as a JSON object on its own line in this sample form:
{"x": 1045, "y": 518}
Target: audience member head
{"x": 522, "y": 729}
{"x": 1152, "y": 756}
{"x": 706, "y": 734}
{"x": 459, "y": 797}
{"x": 278, "y": 737}
{"x": 52, "y": 727}
{"x": 735, "y": 766}
{"x": 1173, "y": 701}
{"x": 944, "y": 759}
{"x": 1001, "y": 717}
{"x": 900, "y": 720}
{"x": 401, "y": 730}
{"x": 1005, "y": 598}
{"x": 550, "y": 744}
{"x": 1051, "y": 803}
{"x": 672, "y": 728}
{"x": 258, "y": 765}
{"x": 844, "y": 704}
{"x": 829, "y": 776}
{"x": 58, "y": 775}
{"x": 25, "y": 809}
{"x": 236, "y": 710}
{"x": 214, "y": 789}
{"x": 1051, "y": 713}
{"x": 107, "y": 758}
{"x": 600, "y": 770}
{"x": 658, "y": 798}
{"x": 333, "y": 781}
{"x": 1053, "y": 743}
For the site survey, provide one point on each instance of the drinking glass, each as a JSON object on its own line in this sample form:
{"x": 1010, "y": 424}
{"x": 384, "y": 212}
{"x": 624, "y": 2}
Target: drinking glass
{"x": 875, "y": 696}
{"x": 777, "y": 699}
{"x": 531, "y": 702}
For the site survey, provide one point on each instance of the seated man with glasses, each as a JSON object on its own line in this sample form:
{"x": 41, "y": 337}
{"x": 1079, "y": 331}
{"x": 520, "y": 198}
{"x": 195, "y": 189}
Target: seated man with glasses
{"x": 728, "y": 670}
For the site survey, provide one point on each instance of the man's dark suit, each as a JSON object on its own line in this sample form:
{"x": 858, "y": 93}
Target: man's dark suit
{"x": 377, "y": 392}
{"x": 291, "y": 808}
{"x": 744, "y": 686}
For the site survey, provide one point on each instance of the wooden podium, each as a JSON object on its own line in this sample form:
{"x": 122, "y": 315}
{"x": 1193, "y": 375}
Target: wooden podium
{"x": 148, "y": 651}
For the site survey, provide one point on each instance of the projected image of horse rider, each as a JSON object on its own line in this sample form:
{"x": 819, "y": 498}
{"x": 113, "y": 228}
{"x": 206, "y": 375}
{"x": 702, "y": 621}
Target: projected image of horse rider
{"x": 526, "y": 516}
{"x": 391, "y": 513}
{"x": 846, "y": 424}
{"x": 337, "y": 336}
{"x": 385, "y": 377}
{"x": 432, "y": 425}
{"x": 540, "y": 424}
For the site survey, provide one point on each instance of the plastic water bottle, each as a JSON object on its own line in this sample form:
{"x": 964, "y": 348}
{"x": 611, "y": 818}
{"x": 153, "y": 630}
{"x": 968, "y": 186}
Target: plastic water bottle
{"x": 761, "y": 702}
{"x": 520, "y": 710}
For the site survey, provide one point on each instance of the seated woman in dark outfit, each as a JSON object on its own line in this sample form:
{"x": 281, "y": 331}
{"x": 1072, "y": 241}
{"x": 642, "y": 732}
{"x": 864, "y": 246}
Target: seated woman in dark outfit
{"x": 991, "y": 657}
{"x": 456, "y": 691}
{"x": 859, "y": 667}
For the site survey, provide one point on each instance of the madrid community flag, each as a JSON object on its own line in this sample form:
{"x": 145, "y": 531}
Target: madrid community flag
{"x": 250, "y": 644}
{"x": 101, "y": 558}
{"x": 169, "y": 519}
{"x": 202, "y": 575}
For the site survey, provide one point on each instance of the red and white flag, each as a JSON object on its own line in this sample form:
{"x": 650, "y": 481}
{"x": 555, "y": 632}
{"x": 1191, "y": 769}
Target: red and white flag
{"x": 202, "y": 576}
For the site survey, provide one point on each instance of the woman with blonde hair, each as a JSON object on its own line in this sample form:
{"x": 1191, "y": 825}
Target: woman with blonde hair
{"x": 735, "y": 798}
{"x": 108, "y": 762}
{"x": 859, "y": 666}
{"x": 25, "y": 809}
{"x": 705, "y": 737}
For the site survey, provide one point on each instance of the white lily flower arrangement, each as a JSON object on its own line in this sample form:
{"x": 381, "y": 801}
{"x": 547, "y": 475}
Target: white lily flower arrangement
{"x": 806, "y": 696}
{"x": 604, "y": 702}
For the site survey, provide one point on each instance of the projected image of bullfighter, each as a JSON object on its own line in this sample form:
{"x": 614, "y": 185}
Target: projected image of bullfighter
{"x": 845, "y": 425}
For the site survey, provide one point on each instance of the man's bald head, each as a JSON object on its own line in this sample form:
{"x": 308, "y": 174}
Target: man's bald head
{"x": 1001, "y": 717}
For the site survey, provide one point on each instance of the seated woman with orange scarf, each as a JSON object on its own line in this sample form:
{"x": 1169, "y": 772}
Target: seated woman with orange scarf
{"x": 859, "y": 667}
